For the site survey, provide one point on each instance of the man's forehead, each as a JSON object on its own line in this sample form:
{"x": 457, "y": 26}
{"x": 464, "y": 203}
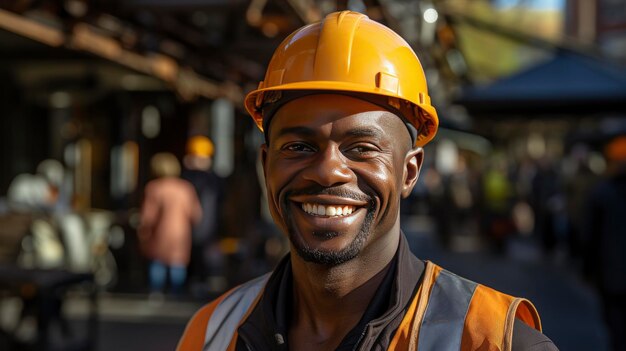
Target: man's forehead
{"x": 368, "y": 123}
{"x": 344, "y": 113}
{"x": 322, "y": 108}
{"x": 359, "y": 128}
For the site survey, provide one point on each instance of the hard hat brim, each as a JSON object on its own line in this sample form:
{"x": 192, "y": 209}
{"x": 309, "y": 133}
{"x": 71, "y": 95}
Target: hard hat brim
{"x": 254, "y": 101}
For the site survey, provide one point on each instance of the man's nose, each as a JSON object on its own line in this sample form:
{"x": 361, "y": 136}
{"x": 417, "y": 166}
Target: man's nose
{"x": 328, "y": 168}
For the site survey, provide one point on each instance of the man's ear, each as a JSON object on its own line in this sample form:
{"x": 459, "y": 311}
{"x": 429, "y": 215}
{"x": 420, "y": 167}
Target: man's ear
{"x": 263, "y": 152}
{"x": 412, "y": 166}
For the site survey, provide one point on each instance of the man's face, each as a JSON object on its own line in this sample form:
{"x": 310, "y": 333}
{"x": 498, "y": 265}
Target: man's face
{"x": 197, "y": 163}
{"x": 336, "y": 168}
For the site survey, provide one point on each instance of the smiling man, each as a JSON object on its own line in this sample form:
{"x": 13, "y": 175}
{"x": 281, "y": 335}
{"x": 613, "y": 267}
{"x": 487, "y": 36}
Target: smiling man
{"x": 344, "y": 108}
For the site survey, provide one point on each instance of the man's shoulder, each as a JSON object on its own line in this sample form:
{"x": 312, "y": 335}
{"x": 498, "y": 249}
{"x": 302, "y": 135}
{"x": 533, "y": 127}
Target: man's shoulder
{"x": 239, "y": 297}
{"x": 485, "y": 301}
{"x": 194, "y": 334}
{"x": 526, "y": 338}
{"x": 225, "y": 311}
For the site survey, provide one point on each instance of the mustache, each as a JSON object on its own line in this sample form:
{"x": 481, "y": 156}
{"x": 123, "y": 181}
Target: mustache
{"x": 333, "y": 191}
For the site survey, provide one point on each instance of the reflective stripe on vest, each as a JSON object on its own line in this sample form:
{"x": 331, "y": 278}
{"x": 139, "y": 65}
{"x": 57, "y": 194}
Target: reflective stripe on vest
{"x": 442, "y": 327}
{"x": 229, "y": 313}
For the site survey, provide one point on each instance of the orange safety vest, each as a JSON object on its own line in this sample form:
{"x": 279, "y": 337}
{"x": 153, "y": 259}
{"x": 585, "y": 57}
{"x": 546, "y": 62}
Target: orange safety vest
{"x": 447, "y": 313}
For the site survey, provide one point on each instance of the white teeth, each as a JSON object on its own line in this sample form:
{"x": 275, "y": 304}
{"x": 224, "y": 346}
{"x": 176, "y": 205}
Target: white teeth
{"x": 321, "y": 210}
{"x": 331, "y": 211}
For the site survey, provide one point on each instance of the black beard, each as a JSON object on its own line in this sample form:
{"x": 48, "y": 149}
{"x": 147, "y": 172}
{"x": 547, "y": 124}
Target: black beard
{"x": 326, "y": 257}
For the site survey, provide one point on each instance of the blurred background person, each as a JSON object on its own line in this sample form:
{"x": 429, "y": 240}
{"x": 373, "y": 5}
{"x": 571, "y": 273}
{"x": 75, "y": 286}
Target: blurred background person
{"x": 498, "y": 193}
{"x": 37, "y": 196}
{"x": 198, "y": 171}
{"x": 547, "y": 202}
{"x": 37, "y": 192}
{"x": 170, "y": 208}
{"x": 605, "y": 239}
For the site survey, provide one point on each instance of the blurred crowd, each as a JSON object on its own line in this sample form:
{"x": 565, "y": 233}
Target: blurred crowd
{"x": 507, "y": 204}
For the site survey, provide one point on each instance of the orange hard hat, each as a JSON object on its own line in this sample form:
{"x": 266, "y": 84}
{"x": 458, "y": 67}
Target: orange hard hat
{"x": 347, "y": 53}
{"x": 616, "y": 149}
{"x": 200, "y": 145}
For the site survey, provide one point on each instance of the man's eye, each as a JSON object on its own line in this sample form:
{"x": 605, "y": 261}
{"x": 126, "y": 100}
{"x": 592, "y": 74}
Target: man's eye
{"x": 298, "y": 147}
{"x": 362, "y": 149}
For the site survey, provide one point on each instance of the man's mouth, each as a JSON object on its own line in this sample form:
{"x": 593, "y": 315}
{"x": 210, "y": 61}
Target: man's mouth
{"x": 315, "y": 209}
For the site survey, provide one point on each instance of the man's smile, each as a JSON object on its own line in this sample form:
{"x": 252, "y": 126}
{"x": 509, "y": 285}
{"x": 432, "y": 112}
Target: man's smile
{"x": 328, "y": 205}
{"x": 328, "y": 211}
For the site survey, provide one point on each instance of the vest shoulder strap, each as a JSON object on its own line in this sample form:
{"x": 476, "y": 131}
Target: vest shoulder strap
{"x": 230, "y": 311}
{"x": 491, "y": 318}
{"x": 442, "y": 323}
{"x": 193, "y": 336}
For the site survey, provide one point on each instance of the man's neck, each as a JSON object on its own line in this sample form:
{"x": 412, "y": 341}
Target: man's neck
{"x": 328, "y": 301}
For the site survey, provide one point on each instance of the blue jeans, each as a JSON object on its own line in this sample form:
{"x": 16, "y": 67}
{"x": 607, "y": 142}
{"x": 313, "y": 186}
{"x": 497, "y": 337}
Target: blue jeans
{"x": 158, "y": 275}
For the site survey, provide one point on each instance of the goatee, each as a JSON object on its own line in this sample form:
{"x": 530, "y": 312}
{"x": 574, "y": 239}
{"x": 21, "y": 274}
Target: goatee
{"x": 330, "y": 257}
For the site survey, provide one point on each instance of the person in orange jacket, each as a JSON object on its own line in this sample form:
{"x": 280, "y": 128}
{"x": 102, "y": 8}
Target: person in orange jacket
{"x": 345, "y": 111}
{"x": 168, "y": 212}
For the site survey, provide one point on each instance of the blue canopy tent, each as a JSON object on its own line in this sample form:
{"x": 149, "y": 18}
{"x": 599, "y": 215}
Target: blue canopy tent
{"x": 566, "y": 84}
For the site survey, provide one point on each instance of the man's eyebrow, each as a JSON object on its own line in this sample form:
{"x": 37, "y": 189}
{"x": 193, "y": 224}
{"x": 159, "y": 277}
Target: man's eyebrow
{"x": 299, "y": 130}
{"x": 365, "y": 132}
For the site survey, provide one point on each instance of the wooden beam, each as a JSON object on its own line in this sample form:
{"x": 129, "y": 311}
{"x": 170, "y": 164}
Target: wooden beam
{"x": 83, "y": 37}
{"x": 31, "y": 29}
{"x": 186, "y": 81}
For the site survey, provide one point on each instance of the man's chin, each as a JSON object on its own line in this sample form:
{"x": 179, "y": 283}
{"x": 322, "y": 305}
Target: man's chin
{"x": 326, "y": 257}
{"x": 324, "y": 253}
{"x": 329, "y": 246}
